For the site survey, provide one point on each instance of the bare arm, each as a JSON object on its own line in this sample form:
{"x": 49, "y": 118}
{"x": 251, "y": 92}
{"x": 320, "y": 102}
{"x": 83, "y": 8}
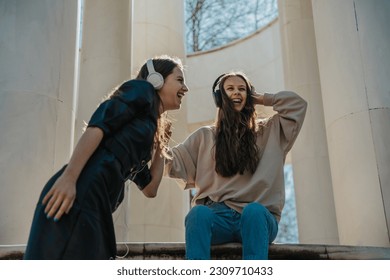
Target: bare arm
{"x": 60, "y": 198}
{"x": 156, "y": 171}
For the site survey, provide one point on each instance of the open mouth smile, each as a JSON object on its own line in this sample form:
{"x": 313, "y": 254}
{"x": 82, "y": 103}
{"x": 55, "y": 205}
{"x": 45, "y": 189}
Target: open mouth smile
{"x": 237, "y": 100}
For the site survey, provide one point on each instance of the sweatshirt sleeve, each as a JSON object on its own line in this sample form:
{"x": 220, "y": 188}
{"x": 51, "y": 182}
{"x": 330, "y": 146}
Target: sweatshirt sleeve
{"x": 291, "y": 111}
{"x": 184, "y": 157}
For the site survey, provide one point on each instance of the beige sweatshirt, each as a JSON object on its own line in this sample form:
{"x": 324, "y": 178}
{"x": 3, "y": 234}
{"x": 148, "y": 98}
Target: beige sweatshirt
{"x": 193, "y": 160}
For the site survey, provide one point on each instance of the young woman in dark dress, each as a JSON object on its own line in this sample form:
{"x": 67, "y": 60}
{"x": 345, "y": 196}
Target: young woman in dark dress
{"x": 73, "y": 217}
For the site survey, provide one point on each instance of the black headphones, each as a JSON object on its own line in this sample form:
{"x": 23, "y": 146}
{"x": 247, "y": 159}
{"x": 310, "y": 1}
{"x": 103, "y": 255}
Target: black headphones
{"x": 217, "y": 94}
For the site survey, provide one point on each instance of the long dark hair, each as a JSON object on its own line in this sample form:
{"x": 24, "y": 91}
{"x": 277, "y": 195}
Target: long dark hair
{"x": 164, "y": 65}
{"x": 235, "y": 143}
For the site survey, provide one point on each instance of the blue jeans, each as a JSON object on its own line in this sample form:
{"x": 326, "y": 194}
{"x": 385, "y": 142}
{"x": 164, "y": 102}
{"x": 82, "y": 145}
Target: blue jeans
{"x": 216, "y": 223}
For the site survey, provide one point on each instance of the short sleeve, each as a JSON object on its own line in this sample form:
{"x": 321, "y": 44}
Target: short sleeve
{"x": 136, "y": 97}
{"x": 110, "y": 115}
{"x": 143, "y": 178}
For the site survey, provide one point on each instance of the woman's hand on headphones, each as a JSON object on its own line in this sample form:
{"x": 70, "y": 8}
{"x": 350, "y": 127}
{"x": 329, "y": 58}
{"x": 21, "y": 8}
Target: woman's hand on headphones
{"x": 257, "y": 97}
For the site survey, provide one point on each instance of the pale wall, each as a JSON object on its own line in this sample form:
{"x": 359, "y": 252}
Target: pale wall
{"x": 37, "y": 81}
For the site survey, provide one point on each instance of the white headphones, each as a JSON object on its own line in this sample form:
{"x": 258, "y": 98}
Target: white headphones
{"x": 155, "y": 78}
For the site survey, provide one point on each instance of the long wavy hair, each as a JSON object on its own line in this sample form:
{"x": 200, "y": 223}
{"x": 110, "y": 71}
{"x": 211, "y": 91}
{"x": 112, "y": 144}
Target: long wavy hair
{"x": 164, "y": 65}
{"x": 235, "y": 143}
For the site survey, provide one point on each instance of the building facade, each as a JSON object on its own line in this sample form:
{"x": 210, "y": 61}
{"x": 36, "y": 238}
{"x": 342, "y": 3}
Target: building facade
{"x": 56, "y": 68}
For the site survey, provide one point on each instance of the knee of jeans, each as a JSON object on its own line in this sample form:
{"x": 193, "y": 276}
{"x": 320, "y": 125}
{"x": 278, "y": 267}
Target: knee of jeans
{"x": 199, "y": 214}
{"x": 254, "y": 210}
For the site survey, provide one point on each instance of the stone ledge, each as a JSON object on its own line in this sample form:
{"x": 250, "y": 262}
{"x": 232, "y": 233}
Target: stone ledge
{"x": 232, "y": 251}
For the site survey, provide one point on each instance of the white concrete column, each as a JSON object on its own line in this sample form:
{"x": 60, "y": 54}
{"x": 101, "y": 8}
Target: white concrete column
{"x": 104, "y": 63}
{"x": 37, "y": 81}
{"x": 158, "y": 28}
{"x": 312, "y": 179}
{"x": 105, "y": 54}
{"x": 353, "y": 44}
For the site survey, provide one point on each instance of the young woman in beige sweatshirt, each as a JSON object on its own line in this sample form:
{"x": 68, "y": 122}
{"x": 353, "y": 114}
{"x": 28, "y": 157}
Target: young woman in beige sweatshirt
{"x": 236, "y": 167}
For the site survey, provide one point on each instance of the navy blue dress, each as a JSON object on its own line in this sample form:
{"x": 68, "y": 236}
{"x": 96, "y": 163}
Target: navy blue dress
{"x": 129, "y": 122}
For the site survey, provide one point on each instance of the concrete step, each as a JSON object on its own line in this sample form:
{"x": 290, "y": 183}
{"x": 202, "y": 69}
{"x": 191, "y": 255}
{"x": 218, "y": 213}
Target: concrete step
{"x": 232, "y": 251}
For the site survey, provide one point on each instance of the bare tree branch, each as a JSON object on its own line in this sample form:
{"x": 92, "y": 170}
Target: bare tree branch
{"x": 212, "y": 23}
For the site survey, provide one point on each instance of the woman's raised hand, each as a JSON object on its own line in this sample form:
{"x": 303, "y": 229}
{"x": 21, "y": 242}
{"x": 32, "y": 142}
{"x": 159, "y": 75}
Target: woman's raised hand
{"x": 257, "y": 97}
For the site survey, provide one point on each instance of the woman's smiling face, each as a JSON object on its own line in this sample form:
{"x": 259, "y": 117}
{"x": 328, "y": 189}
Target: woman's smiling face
{"x": 173, "y": 90}
{"x": 236, "y": 89}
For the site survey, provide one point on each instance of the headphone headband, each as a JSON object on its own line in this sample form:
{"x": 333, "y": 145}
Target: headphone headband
{"x": 217, "y": 95}
{"x": 217, "y": 81}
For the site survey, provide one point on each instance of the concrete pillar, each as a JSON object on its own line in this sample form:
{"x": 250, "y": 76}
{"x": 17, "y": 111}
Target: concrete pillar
{"x": 105, "y": 54}
{"x": 37, "y": 81}
{"x": 105, "y": 63}
{"x": 158, "y": 28}
{"x": 312, "y": 179}
{"x": 353, "y": 45}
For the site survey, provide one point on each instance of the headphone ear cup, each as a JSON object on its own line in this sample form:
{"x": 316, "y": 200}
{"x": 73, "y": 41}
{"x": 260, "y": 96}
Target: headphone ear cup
{"x": 217, "y": 98}
{"x": 155, "y": 78}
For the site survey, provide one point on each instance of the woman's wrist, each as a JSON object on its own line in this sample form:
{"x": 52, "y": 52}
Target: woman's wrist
{"x": 70, "y": 175}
